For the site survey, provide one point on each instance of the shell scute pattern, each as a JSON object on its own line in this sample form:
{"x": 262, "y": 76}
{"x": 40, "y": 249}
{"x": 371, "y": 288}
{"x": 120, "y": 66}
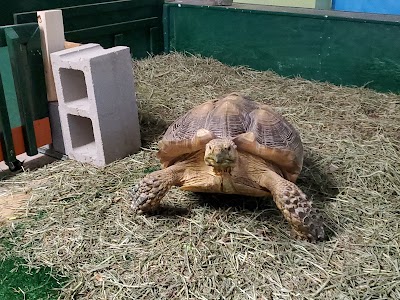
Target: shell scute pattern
{"x": 233, "y": 115}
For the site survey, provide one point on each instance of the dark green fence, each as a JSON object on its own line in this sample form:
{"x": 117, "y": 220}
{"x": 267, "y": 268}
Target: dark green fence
{"x": 133, "y": 23}
{"x": 9, "y": 8}
{"x": 23, "y": 92}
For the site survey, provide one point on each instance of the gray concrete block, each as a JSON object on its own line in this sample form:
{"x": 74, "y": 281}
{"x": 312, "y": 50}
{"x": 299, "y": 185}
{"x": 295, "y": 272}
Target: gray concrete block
{"x": 97, "y": 103}
{"x": 56, "y": 130}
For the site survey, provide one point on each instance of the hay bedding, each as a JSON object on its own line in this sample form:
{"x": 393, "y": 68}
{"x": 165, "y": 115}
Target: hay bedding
{"x": 222, "y": 247}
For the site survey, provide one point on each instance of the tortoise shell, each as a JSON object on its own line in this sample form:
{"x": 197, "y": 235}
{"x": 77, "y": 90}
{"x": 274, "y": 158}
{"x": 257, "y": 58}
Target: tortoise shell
{"x": 254, "y": 127}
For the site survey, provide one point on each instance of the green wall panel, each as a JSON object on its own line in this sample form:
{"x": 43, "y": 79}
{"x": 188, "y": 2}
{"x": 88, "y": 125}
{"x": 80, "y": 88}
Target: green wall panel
{"x": 133, "y": 23}
{"x": 8, "y": 8}
{"x": 135, "y": 34}
{"x": 342, "y": 48}
{"x": 97, "y": 14}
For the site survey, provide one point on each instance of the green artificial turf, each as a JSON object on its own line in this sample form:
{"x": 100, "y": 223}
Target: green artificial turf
{"x": 18, "y": 282}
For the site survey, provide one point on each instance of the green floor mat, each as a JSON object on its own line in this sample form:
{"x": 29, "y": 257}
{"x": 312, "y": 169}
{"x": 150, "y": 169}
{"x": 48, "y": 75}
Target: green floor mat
{"x": 18, "y": 282}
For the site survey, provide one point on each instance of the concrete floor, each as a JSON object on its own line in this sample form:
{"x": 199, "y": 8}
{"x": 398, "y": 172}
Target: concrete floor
{"x": 30, "y": 162}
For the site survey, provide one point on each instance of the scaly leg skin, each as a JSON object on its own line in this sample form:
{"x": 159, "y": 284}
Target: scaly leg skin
{"x": 153, "y": 187}
{"x": 305, "y": 221}
{"x": 297, "y": 209}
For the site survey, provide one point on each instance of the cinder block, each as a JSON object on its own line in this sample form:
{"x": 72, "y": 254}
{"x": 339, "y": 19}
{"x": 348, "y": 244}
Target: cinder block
{"x": 97, "y": 103}
{"x": 56, "y": 130}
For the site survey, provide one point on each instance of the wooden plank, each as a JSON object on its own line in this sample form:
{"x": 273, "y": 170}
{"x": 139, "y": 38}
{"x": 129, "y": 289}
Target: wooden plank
{"x": 68, "y": 45}
{"x": 52, "y": 40}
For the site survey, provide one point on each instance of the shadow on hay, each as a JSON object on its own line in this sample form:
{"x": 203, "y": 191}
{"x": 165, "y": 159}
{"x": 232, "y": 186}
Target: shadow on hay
{"x": 321, "y": 187}
{"x": 151, "y": 128}
{"x": 314, "y": 181}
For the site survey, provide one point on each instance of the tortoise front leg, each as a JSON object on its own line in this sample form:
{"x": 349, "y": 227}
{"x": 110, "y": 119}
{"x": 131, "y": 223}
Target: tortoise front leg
{"x": 153, "y": 187}
{"x": 297, "y": 209}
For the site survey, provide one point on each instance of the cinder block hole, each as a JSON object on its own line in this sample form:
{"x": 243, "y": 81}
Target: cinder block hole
{"x": 74, "y": 84}
{"x": 81, "y": 130}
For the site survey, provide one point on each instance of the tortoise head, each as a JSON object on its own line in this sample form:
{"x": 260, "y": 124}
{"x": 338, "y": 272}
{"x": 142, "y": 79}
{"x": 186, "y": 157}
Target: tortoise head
{"x": 221, "y": 154}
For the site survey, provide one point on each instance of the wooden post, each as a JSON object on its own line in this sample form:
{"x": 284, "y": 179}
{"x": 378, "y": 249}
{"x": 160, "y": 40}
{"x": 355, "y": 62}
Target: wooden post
{"x": 52, "y": 38}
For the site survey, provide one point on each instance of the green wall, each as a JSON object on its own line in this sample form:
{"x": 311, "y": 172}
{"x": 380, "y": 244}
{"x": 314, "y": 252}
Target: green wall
{"x": 338, "y": 47}
{"x": 133, "y": 23}
{"x": 8, "y": 8}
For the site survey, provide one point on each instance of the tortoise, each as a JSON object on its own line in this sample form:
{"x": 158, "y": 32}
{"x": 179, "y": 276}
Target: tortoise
{"x": 233, "y": 145}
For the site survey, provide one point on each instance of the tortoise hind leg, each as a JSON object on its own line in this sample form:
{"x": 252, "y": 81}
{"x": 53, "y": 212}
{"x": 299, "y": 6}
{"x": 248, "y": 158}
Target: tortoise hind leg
{"x": 297, "y": 209}
{"x": 153, "y": 187}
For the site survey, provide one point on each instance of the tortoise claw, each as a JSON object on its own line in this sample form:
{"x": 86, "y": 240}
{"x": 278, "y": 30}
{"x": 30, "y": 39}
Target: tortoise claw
{"x": 312, "y": 229}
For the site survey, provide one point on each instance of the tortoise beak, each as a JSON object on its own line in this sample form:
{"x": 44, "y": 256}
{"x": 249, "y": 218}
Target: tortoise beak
{"x": 219, "y": 158}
